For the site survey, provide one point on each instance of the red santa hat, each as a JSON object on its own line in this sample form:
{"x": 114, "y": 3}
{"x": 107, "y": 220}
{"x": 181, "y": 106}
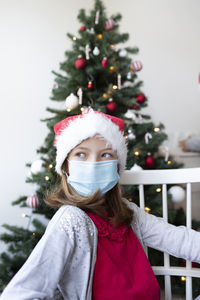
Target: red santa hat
{"x": 71, "y": 131}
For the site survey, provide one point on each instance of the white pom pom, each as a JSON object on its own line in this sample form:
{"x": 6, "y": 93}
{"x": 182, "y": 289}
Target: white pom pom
{"x": 136, "y": 168}
{"x": 71, "y": 102}
{"x": 122, "y": 53}
{"x": 177, "y": 193}
{"x": 37, "y": 166}
{"x": 130, "y": 114}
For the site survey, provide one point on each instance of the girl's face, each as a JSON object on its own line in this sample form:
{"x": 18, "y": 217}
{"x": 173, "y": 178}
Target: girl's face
{"x": 93, "y": 149}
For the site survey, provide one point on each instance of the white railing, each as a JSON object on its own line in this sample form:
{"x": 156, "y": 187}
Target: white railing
{"x": 164, "y": 177}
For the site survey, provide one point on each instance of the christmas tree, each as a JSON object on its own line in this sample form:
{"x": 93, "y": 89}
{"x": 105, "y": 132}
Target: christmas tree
{"x": 100, "y": 74}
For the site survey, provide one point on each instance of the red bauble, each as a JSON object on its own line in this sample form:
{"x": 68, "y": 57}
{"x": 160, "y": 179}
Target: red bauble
{"x": 141, "y": 98}
{"x": 135, "y": 106}
{"x": 104, "y": 62}
{"x": 150, "y": 162}
{"x": 111, "y": 107}
{"x": 32, "y": 201}
{"x": 90, "y": 85}
{"x": 82, "y": 28}
{"x": 80, "y": 63}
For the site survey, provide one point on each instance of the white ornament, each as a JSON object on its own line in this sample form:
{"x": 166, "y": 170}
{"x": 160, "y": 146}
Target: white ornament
{"x": 122, "y": 53}
{"x": 96, "y": 51}
{"x": 131, "y": 136}
{"x": 87, "y": 51}
{"x": 37, "y": 167}
{"x": 177, "y": 193}
{"x": 129, "y": 76}
{"x": 136, "y": 168}
{"x": 71, "y": 102}
{"x": 119, "y": 81}
{"x": 80, "y": 95}
{"x": 97, "y": 17}
{"x": 147, "y": 137}
{"x": 130, "y": 114}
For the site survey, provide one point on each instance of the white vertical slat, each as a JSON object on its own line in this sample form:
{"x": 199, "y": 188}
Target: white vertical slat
{"x": 189, "y": 225}
{"x": 168, "y": 290}
{"x": 142, "y": 204}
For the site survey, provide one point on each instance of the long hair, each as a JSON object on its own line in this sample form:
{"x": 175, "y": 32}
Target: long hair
{"x": 111, "y": 203}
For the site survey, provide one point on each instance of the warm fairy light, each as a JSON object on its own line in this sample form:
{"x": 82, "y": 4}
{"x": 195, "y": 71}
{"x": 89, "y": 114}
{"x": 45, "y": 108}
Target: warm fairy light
{"x": 169, "y": 162}
{"x": 136, "y": 152}
{"x": 112, "y": 68}
{"x": 147, "y": 209}
{"x": 68, "y": 109}
{"x": 156, "y": 129}
{"x": 47, "y": 178}
{"x": 183, "y": 278}
{"x": 105, "y": 95}
{"x": 126, "y": 137}
{"x": 110, "y": 99}
{"x": 99, "y": 36}
{"x": 158, "y": 190}
{"x": 24, "y": 215}
{"x": 74, "y": 38}
{"x": 112, "y": 46}
{"x": 115, "y": 87}
{"x": 33, "y": 234}
{"x": 50, "y": 166}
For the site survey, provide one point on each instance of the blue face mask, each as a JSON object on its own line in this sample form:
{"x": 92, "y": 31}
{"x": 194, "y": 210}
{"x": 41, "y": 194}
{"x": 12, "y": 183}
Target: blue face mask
{"x": 87, "y": 177}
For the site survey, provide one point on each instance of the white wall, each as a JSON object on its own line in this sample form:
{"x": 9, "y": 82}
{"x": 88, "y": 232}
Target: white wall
{"x": 33, "y": 41}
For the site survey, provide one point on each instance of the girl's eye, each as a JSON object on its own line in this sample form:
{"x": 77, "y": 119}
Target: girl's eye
{"x": 106, "y": 155}
{"x": 80, "y": 154}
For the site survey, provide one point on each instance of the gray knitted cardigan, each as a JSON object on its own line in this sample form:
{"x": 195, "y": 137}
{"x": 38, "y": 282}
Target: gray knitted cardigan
{"x": 64, "y": 258}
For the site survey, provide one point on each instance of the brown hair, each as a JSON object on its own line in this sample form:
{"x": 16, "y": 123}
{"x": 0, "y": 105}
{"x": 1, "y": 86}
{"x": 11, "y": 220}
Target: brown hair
{"x": 112, "y": 203}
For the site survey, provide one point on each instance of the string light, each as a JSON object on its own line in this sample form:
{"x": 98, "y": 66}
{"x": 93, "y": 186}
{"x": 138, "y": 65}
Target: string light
{"x": 114, "y": 87}
{"x": 156, "y": 129}
{"x": 50, "y": 166}
{"x": 33, "y": 234}
{"x": 74, "y": 38}
{"x": 112, "y": 46}
{"x": 183, "y": 278}
{"x": 126, "y": 137}
{"x": 99, "y": 36}
{"x": 158, "y": 190}
{"x": 169, "y": 162}
{"x": 105, "y": 95}
{"x": 147, "y": 209}
{"x": 47, "y": 178}
{"x": 136, "y": 152}
{"x": 111, "y": 68}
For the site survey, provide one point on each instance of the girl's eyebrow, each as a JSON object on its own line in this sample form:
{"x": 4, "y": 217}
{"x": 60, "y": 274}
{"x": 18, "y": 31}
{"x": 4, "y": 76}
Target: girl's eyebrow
{"x": 85, "y": 148}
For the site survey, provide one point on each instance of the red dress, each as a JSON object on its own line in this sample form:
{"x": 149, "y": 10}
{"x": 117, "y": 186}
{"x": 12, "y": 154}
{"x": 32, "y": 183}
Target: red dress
{"x": 122, "y": 270}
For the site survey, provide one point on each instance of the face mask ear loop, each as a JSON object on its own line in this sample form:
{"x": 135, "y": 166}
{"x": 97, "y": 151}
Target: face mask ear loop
{"x": 65, "y": 173}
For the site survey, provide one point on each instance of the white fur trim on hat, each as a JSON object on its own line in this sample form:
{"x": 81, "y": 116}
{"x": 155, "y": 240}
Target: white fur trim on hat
{"x": 88, "y": 126}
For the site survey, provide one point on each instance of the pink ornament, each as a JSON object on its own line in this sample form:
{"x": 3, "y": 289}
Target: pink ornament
{"x": 32, "y": 201}
{"x": 109, "y": 25}
{"x": 104, "y": 62}
{"x": 136, "y": 66}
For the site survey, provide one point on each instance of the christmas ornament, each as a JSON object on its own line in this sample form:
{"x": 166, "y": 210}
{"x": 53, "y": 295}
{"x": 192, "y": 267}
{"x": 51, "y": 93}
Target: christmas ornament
{"x": 130, "y": 114}
{"x": 136, "y": 168}
{"x": 99, "y": 36}
{"x": 80, "y": 63}
{"x": 111, "y": 68}
{"x": 122, "y": 53}
{"x": 147, "y": 137}
{"x": 177, "y": 193}
{"x": 111, "y": 106}
{"x": 90, "y": 85}
{"x": 71, "y": 102}
{"x": 129, "y": 76}
{"x": 96, "y": 51}
{"x": 80, "y": 95}
{"x": 32, "y": 201}
{"x": 87, "y": 51}
{"x": 149, "y": 161}
{"x": 55, "y": 85}
{"x": 37, "y": 166}
{"x": 165, "y": 150}
{"x": 135, "y": 106}
{"x": 131, "y": 136}
{"x": 109, "y": 25}
{"x": 82, "y": 28}
{"x": 104, "y": 62}
{"x": 141, "y": 98}
{"x": 97, "y": 17}
{"x": 136, "y": 66}
{"x": 119, "y": 81}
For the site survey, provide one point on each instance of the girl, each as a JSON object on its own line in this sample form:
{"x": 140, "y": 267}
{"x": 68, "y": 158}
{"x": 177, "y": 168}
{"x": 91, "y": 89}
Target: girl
{"x": 92, "y": 247}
